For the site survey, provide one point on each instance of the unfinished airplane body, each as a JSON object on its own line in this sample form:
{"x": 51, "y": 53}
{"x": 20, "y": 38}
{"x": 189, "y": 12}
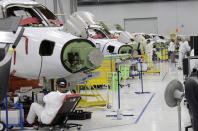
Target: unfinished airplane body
{"x": 45, "y": 50}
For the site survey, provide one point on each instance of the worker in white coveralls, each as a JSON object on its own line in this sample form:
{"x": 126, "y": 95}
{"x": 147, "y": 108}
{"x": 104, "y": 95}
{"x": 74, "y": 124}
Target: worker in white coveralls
{"x": 183, "y": 49}
{"x": 171, "y": 49}
{"x": 149, "y": 50}
{"x": 53, "y": 101}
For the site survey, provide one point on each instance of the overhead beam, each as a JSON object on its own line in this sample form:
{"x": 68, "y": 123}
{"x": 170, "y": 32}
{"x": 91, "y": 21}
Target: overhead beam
{"x": 96, "y": 2}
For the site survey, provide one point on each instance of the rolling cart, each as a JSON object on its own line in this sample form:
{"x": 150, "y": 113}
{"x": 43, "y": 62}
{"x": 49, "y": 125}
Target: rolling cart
{"x": 4, "y": 124}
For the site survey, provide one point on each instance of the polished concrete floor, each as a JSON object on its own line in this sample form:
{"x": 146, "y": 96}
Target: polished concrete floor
{"x": 150, "y": 110}
{"x": 140, "y": 112}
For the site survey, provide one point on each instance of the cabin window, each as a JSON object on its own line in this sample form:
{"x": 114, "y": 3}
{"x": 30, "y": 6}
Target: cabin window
{"x": 47, "y": 13}
{"x": 111, "y": 49}
{"x": 46, "y": 48}
{"x": 96, "y": 34}
{"x": 28, "y": 14}
{"x": 51, "y": 18}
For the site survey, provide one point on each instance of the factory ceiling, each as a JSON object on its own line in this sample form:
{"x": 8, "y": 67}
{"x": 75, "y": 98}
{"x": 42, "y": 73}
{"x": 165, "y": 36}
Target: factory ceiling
{"x": 96, "y": 2}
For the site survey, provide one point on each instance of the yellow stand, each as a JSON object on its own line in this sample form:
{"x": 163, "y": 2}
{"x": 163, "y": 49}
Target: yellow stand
{"x": 151, "y": 67}
{"x": 88, "y": 96}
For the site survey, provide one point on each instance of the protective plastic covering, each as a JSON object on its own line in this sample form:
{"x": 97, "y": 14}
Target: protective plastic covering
{"x": 125, "y": 37}
{"x": 72, "y": 28}
{"x": 76, "y": 25}
{"x": 78, "y": 22}
{"x": 88, "y": 17}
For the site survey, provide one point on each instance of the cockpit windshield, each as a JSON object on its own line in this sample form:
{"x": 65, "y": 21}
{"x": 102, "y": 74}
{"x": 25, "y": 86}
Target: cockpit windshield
{"x": 34, "y": 16}
{"x": 96, "y": 34}
{"x": 52, "y": 19}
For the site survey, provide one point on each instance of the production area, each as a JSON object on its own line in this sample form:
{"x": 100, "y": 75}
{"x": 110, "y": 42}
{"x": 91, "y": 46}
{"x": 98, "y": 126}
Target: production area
{"x": 99, "y": 65}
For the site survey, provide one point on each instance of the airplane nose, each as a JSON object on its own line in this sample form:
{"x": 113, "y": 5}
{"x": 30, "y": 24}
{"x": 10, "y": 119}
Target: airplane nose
{"x": 80, "y": 55}
{"x": 125, "y": 49}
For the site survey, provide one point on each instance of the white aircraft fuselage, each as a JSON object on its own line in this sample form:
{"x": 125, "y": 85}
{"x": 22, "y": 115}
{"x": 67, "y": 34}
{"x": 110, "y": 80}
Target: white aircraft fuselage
{"x": 45, "y": 50}
{"x": 81, "y": 24}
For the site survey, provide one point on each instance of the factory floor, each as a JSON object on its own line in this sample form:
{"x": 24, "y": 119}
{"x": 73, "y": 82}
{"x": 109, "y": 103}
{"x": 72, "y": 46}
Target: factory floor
{"x": 142, "y": 112}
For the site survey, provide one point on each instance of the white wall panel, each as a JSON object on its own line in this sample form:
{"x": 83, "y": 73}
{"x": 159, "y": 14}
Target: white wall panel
{"x": 146, "y": 25}
{"x": 171, "y": 15}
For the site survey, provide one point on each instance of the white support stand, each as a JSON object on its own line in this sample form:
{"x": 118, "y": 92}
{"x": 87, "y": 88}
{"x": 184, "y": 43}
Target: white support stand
{"x": 179, "y": 115}
{"x": 113, "y": 89}
{"x": 119, "y": 116}
{"x": 111, "y": 92}
{"x": 125, "y": 75}
{"x": 108, "y": 106}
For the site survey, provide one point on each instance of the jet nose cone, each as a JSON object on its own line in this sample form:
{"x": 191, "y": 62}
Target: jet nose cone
{"x": 125, "y": 49}
{"x": 95, "y": 57}
{"x": 80, "y": 55}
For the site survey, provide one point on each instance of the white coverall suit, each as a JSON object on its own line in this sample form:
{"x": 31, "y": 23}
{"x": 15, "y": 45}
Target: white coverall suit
{"x": 149, "y": 51}
{"x": 171, "y": 48}
{"x": 183, "y": 49}
{"x": 53, "y": 102}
